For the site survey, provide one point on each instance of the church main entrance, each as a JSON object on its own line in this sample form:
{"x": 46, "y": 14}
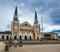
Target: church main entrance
{"x": 25, "y": 37}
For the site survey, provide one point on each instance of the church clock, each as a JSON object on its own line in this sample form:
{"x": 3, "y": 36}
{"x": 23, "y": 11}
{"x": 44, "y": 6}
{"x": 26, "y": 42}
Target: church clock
{"x": 15, "y": 28}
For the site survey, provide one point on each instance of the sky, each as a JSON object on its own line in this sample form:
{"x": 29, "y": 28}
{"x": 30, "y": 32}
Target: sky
{"x": 48, "y": 9}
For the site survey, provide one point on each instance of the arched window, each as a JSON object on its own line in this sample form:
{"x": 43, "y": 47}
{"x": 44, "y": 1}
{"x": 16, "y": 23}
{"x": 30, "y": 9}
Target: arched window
{"x": 25, "y": 37}
{"x": 20, "y": 37}
{"x": 25, "y": 24}
{"x": 7, "y": 37}
{"x": 2, "y": 36}
{"x": 15, "y": 37}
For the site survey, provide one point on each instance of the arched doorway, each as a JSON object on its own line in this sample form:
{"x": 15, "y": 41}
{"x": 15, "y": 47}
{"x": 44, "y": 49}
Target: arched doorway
{"x": 37, "y": 38}
{"x": 2, "y": 36}
{"x": 20, "y": 38}
{"x": 7, "y": 37}
{"x": 25, "y": 37}
{"x": 30, "y": 38}
{"x": 15, "y": 37}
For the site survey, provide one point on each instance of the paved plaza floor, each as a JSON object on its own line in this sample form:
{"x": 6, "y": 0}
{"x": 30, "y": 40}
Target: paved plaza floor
{"x": 36, "y": 48}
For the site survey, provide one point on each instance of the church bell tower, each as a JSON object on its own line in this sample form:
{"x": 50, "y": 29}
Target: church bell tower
{"x": 15, "y": 25}
{"x": 36, "y": 26}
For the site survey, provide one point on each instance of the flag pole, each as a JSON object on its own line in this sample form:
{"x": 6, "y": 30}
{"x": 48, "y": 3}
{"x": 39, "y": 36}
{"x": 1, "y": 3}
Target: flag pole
{"x": 42, "y": 27}
{"x": 42, "y": 23}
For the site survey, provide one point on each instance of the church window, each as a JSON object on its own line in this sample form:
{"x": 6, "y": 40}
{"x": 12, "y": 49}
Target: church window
{"x": 20, "y": 29}
{"x": 25, "y": 24}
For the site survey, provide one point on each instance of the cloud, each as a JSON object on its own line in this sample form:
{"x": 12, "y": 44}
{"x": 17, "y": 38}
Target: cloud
{"x": 51, "y": 28}
{"x": 48, "y": 9}
{"x": 55, "y": 16}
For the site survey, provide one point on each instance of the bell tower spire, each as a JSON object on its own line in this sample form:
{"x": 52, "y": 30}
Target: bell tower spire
{"x": 36, "y": 26}
{"x": 36, "y": 19}
{"x": 16, "y": 15}
{"x": 15, "y": 25}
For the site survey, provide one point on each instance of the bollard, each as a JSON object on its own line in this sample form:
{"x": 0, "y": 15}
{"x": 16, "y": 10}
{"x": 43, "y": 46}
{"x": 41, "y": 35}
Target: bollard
{"x": 15, "y": 45}
{"x": 20, "y": 43}
{"x": 6, "y": 48}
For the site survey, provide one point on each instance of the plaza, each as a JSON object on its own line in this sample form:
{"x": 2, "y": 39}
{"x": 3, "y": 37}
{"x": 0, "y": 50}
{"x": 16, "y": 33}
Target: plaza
{"x": 36, "y": 48}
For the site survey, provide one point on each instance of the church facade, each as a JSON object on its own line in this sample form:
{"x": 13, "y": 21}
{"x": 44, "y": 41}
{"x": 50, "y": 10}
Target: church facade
{"x": 22, "y": 31}
{"x": 25, "y": 30}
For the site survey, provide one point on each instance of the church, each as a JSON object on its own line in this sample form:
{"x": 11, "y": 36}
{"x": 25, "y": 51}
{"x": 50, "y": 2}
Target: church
{"x": 24, "y": 31}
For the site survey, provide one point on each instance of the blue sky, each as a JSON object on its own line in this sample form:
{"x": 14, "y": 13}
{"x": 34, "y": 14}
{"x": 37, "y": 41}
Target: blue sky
{"x": 48, "y": 9}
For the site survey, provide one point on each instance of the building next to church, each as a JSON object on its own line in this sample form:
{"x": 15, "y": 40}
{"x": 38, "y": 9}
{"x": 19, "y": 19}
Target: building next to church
{"x": 24, "y": 31}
